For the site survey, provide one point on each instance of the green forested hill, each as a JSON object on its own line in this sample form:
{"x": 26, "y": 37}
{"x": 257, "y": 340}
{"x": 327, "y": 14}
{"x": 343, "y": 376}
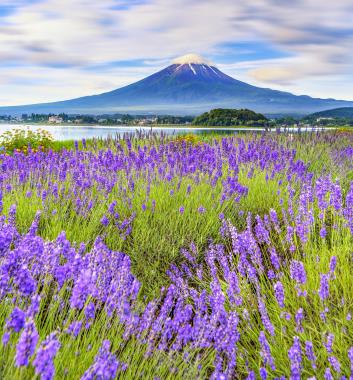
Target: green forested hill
{"x": 227, "y": 117}
{"x": 336, "y": 116}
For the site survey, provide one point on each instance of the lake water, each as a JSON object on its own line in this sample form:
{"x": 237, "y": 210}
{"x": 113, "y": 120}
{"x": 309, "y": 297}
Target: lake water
{"x": 79, "y": 132}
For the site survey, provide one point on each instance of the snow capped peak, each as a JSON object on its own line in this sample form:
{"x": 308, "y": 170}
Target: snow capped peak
{"x": 189, "y": 59}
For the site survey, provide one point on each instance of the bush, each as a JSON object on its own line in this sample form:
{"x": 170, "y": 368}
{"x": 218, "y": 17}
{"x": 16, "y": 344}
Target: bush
{"x": 186, "y": 139}
{"x": 229, "y": 117}
{"x": 20, "y": 140}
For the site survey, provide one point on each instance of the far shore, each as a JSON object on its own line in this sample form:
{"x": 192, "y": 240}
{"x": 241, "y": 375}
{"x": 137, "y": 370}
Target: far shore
{"x": 163, "y": 126}
{"x": 144, "y": 126}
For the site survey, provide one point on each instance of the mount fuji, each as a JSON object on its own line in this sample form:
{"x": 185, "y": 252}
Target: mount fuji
{"x": 189, "y": 85}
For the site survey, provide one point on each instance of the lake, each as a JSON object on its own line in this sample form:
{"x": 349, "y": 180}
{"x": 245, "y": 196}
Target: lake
{"x": 79, "y": 132}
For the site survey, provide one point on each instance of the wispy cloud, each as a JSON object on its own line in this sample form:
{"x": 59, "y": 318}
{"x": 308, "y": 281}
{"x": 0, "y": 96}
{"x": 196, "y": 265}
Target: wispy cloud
{"x": 56, "y": 49}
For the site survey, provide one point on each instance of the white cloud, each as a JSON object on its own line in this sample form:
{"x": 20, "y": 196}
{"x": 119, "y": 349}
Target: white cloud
{"x": 47, "y": 46}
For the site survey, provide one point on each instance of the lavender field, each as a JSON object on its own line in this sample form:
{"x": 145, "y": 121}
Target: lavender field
{"x": 161, "y": 257}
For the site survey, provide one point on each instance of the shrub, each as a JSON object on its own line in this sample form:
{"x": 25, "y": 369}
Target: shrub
{"x": 21, "y": 140}
{"x": 186, "y": 139}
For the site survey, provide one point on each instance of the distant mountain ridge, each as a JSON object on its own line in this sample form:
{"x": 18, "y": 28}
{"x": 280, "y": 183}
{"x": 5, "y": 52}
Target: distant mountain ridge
{"x": 189, "y": 86}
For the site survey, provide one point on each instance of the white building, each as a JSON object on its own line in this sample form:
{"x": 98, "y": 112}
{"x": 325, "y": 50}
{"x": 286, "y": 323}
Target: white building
{"x": 55, "y": 119}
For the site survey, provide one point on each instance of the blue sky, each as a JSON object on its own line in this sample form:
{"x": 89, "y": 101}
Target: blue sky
{"x": 60, "y": 49}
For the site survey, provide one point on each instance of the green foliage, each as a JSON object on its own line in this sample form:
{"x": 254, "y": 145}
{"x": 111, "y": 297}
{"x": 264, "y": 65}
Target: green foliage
{"x": 168, "y": 119}
{"x": 228, "y": 117}
{"x": 22, "y": 139}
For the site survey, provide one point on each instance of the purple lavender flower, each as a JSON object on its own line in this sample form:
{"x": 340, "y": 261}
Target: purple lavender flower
{"x": 25, "y": 282}
{"x": 266, "y": 351}
{"x": 105, "y": 365}
{"x": 274, "y": 217}
{"x": 105, "y": 221}
{"x": 271, "y": 274}
{"x": 251, "y": 376}
{"x": 26, "y": 344}
{"x": 6, "y": 338}
{"x": 279, "y": 293}
{"x": 275, "y": 259}
{"x": 323, "y": 313}
{"x": 34, "y": 306}
{"x": 111, "y": 208}
{"x": 44, "y": 360}
{"x": 16, "y": 320}
{"x": 323, "y": 232}
{"x": 336, "y": 197}
{"x": 295, "y": 357}
{"x": 263, "y": 373}
{"x": 233, "y": 290}
{"x": 309, "y": 349}
{"x": 335, "y": 363}
{"x": 297, "y": 271}
{"x": 13, "y": 209}
{"x": 299, "y": 316}
{"x": 201, "y": 210}
{"x": 124, "y": 366}
{"x": 328, "y": 375}
{"x": 350, "y": 357}
{"x": 84, "y": 285}
{"x": 74, "y": 328}
{"x": 261, "y": 232}
{"x": 329, "y": 342}
{"x": 348, "y": 209}
{"x": 286, "y": 316}
{"x": 90, "y": 311}
{"x": 265, "y": 318}
{"x": 324, "y": 291}
{"x": 333, "y": 264}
